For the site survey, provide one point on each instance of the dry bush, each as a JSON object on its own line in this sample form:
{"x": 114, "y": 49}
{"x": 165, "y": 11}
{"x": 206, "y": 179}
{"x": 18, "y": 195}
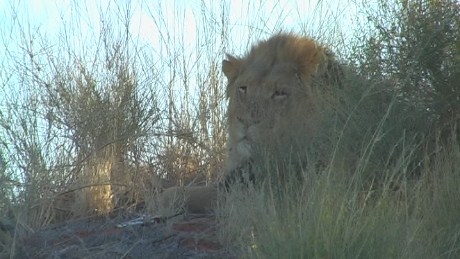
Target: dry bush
{"x": 87, "y": 129}
{"x": 414, "y": 46}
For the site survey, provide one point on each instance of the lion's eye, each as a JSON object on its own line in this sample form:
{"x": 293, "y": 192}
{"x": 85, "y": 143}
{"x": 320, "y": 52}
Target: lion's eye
{"x": 279, "y": 95}
{"x": 242, "y": 89}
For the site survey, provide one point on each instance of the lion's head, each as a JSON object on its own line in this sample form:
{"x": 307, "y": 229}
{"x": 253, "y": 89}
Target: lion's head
{"x": 273, "y": 96}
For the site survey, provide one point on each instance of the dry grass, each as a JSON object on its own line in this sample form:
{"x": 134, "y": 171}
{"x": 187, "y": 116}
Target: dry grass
{"x": 87, "y": 129}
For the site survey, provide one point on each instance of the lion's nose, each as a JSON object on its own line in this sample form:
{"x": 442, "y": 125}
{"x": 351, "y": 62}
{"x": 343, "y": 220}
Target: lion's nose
{"x": 256, "y": 115}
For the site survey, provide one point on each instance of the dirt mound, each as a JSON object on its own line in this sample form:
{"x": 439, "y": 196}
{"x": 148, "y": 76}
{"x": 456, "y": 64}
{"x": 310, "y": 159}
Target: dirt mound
{"x": 134, "y": 236}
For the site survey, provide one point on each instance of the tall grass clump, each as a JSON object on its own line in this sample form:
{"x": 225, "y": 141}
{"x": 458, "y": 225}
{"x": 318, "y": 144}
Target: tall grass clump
{"x": 94, "y": 125}
{"x": 333, "y": 215}
{"x": 74, "y": 124}
{"x": 438, "y": 204}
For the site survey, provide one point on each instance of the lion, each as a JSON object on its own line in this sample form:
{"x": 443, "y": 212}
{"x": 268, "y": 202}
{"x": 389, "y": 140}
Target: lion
{"x": 274, "y": 97}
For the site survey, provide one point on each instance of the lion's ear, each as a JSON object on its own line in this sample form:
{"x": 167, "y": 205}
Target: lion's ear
{"x": 307, "y": 56}
{"x": 231, "y": 67}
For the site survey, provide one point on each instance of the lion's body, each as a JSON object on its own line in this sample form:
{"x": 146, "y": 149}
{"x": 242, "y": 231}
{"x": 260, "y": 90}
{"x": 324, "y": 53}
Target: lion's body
{"x": 274, "y": 93}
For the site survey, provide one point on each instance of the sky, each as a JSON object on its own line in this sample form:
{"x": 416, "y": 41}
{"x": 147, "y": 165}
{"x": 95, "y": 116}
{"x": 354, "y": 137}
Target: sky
{"x": 49, "y": 16}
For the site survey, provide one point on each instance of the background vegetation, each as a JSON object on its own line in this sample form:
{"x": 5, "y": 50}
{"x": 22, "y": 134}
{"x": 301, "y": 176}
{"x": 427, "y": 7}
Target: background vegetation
{"x": 90, "y": 129}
